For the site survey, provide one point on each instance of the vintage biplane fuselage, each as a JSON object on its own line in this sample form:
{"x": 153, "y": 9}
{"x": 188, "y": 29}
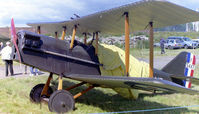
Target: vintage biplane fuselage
{"x": 55, "y": 56}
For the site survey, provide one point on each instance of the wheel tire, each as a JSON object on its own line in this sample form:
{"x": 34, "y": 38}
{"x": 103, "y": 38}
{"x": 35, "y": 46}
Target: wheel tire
{"x": 35, "y": 93}
{"x": 61, "y": 101}
{"x": 185, "y": 47}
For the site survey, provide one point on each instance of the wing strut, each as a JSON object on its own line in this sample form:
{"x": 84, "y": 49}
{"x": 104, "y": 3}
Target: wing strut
{"x": 56, "y": 35}
{"x": 85, "y": 38}
{"x": 96, "y": 48}
{"x": 151, "y": 50}
{"x": 63, "y": 33}
{"x": 127, "y": 42}
{"x": 38, "y": 29}
{"x": 73, "y": 37}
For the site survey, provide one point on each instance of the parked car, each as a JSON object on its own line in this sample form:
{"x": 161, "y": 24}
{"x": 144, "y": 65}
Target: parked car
{"x": 156, "y": 45}
{"x": 197, "y": 41}
{"x": 173, "y": 44}
{"x": 187, "y": 42}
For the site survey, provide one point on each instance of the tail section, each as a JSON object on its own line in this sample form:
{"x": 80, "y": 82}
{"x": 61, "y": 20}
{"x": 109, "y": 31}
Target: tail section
{"x": 182, "y": 65}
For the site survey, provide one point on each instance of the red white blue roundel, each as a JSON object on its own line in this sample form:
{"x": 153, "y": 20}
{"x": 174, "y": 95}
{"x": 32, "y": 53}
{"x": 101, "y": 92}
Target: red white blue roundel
{"x": 189, "y": 69}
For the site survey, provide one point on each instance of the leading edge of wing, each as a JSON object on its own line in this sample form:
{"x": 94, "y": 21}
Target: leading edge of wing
{"x": 147, "y": 84}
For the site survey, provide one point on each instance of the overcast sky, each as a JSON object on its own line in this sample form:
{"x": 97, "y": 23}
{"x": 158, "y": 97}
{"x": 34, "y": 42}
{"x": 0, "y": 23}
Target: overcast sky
{"x": 28, "y": 11}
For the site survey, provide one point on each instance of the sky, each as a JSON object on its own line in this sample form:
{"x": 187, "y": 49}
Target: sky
{"x": 30, "y": 11}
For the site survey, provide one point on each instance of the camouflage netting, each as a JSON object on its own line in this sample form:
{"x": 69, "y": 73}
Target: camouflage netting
{"x": 113, "y": 60}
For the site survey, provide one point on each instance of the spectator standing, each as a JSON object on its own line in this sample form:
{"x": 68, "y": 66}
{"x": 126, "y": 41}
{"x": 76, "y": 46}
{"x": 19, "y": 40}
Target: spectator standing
{"x": 7, "y": 56}
{"x": 162, "y": 42}
{"x": 1, "y": 45}
{"x": 33, "y": 71}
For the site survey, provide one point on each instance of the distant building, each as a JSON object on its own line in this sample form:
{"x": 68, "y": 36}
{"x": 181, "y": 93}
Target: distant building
{"x": 196, "y": 24}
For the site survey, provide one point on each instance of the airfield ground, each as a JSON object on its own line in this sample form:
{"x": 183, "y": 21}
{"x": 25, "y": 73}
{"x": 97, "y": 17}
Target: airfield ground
{"x": 14, "y": 92}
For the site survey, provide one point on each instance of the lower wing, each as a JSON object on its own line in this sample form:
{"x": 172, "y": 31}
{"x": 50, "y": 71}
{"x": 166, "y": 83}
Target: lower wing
{"x": 148, "y": 84}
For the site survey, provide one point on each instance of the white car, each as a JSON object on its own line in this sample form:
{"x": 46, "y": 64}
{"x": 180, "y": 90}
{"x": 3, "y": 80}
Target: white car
{"x": 188, "y": 43}
{"x": 197, "y": 41}
{"x": 173, "y": 44}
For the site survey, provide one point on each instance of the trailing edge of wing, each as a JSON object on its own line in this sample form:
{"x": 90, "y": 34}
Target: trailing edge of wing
{"x": 147, "y": 84}
{"x": 161, "y": 12}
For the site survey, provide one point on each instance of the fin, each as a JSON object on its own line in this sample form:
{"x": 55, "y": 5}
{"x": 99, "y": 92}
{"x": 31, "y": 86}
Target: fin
{"x": 181, "y": 65}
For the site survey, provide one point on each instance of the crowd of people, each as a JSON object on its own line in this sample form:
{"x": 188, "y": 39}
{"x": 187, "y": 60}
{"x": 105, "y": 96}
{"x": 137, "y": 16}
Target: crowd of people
{"x": 7, "y": 53}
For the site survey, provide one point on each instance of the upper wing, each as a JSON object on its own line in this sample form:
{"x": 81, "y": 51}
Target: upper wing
{"x": 132, "y": 82}
{"x": 161, "y": 12}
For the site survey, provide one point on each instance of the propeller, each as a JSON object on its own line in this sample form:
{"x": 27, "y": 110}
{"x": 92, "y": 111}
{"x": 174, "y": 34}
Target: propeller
{"x": 14, "y": 38}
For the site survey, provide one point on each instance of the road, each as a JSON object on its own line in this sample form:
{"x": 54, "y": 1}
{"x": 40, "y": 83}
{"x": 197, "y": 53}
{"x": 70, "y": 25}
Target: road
{"x": 160, "y": 62}
{"x": 18, "y": 71}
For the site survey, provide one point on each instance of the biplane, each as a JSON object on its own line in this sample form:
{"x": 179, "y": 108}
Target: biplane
{"x": 79, "y": 61}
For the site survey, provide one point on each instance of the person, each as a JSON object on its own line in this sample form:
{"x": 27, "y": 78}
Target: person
{"x": 33, "y": 71}
{"x": 162, "y": 42}
{"x": 7, "y": 55}
{"x": 1, "y": 45}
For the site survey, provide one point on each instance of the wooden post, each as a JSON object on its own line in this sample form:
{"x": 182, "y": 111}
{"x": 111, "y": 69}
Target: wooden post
{"x": 56, "y": 35}
{"x": 151, "y": 51}
{"x": 63, "y": 33}
{"x": 96, "y": 48}
{"x": 38, "y": 29}
{"x": 127, "y": 42}
{"x": 73, "y": 37}
{"x": 85, "y": 38}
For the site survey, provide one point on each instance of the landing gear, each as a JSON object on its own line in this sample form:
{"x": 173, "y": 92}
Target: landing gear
{"x": 61, "y": 101}
{"x": 35, "y": 93}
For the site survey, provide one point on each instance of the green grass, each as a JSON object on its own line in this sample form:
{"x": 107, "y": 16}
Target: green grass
{"x": 15, "y": 99}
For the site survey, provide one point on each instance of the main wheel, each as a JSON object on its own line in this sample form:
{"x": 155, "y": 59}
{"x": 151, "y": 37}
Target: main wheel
{"x": 61, "y": 101}
{"x": 35, "y": 93}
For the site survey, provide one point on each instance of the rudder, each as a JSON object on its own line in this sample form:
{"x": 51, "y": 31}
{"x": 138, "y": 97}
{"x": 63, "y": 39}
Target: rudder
{"x": 182, "y": 65}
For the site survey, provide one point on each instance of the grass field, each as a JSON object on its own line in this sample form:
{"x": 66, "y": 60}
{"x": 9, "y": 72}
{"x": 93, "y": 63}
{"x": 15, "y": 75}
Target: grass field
{"x": 15, "y": 99}
{"x": 14, "y": 95}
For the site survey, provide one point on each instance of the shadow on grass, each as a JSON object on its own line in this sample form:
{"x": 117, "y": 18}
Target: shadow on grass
{"x": 112, "y": 102}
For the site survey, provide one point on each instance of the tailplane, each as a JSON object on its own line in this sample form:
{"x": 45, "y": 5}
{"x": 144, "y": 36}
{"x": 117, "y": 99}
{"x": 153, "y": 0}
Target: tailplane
{"x": 182, "y": 65}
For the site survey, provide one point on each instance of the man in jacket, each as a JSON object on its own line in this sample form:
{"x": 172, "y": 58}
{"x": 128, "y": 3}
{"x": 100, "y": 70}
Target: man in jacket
{"x": 162, "y": 42}
{"x": 7, "y": 55}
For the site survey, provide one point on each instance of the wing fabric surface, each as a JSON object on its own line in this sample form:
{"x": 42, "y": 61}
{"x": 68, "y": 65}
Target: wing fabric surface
{"x": 160, "y": 12}
{"x": 147, "y": 84}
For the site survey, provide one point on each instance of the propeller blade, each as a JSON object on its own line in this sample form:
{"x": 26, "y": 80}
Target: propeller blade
{"x": 14, "y": 38}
